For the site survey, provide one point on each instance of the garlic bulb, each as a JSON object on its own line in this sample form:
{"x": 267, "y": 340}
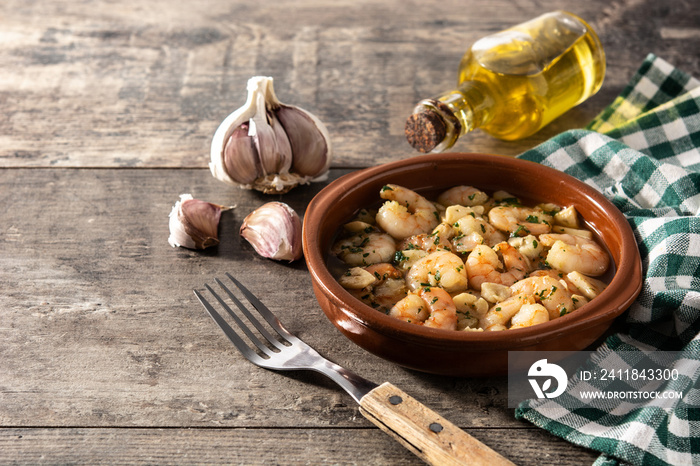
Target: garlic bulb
{"x": 274, "y": 231}
{"x": 269, "y": 146}
{"x": 194, "y": 224}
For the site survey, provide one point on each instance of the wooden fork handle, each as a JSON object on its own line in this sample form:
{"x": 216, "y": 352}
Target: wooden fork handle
{"x": 427, "y": 434}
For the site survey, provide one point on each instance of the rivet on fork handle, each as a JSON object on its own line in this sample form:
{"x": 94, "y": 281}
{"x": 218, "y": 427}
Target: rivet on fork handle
{"x": 420, "y": 430}
{"x": 428, "y": 435}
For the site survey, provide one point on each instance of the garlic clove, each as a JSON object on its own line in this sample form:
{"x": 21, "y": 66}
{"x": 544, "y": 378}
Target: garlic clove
{"x": 274, "y": 231}
{"x": 217, "y": 165}
{"x": 241, "y": 157}
{"x": 194, "y": 224}
{"x": 309, "y": 140}
{"x": 271, "y": 142}
{"x": 288, "y": 146}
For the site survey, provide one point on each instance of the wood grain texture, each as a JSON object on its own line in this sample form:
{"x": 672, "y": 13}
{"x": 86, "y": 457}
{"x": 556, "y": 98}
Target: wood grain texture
{"x": 103, "y": 84}
{"x": 107, "y": 110}
{"x": 336, "y": 446}
{"x": 100, "y": 326}
{"x": 422, "y": 431}
{"x": 100, "y": 329}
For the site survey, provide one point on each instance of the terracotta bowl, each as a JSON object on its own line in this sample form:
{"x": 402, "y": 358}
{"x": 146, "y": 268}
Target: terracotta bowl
{"x": 466, "y": 353}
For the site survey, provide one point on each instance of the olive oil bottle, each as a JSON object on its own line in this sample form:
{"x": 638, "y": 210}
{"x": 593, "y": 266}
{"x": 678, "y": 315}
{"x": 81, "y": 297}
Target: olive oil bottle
{"x": 514, "y": 82}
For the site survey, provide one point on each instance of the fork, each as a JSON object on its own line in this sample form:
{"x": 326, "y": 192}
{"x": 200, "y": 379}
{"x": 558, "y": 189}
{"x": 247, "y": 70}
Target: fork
{"x": 422, "y": 431}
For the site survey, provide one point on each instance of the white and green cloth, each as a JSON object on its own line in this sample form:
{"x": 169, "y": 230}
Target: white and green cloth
{"x": 643, "y": 153}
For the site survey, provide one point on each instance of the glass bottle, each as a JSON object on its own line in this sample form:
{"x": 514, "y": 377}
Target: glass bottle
{"x": 514, "y": 82}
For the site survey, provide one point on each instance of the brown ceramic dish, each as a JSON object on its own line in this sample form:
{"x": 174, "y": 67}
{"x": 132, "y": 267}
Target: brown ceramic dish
{"x": 467, "y": 353}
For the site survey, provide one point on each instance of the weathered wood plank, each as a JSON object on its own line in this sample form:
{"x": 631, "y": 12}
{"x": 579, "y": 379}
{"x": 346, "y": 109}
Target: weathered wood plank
{"x": 115, "y": 85}
{"x": 258, "y": 446}
{"x": 106, "y": 357}
{"x": 100, "y": 326}
{"x": 100, "y": 329}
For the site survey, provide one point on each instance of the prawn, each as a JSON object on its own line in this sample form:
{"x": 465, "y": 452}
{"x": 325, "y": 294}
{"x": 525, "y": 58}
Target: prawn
{"x": 467, "y": 196}
{"x": 378, "y": 285}
{"x": 441, "y": 308}
{"x": 439, "y": 239}
{"x": 549, "y": 292}
{"x": 570, "y": 253}
{"x": 476, "y": 230}
{"x": 557, "y": 275}
{"x": 411, "y": 309}
{"x": 406, "y": 213}
{"x": 500, "y": 314}
{"x": 440, "y": 268}
{"x": 389, "y": 286}
{"x": 365, "y": 248}
{"x": 528, "y": 246}
{"x": 529, "y": 315}
{"x": 483, "y": 265}
{"x": 520, "y": 221}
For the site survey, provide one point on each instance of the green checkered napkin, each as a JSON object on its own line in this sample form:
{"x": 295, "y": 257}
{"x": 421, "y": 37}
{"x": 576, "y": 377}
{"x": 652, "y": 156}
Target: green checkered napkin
{"x": 643, "y": 153}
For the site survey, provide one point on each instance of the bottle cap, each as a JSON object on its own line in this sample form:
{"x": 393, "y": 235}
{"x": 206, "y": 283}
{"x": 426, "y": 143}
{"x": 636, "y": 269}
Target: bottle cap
{"x": 425, "y": 130}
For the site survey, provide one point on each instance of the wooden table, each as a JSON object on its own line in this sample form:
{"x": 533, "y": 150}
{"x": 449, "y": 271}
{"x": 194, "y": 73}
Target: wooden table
{"x": 107, "y": 111}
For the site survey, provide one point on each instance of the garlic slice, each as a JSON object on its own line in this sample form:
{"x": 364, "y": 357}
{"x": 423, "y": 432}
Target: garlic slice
{"x": 269, "y": 146}
{"x": 194, "y": 224}
{"x": 274, "y": 231}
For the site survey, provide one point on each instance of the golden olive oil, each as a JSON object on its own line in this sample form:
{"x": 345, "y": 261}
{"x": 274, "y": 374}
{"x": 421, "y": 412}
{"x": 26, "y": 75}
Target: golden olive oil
{"x": 514, "y": 82}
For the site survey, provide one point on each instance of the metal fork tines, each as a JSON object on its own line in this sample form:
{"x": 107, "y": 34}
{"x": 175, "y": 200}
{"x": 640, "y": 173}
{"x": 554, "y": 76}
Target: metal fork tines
{"x": 421, "y": 430}
{"x": 273, "y": 346}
